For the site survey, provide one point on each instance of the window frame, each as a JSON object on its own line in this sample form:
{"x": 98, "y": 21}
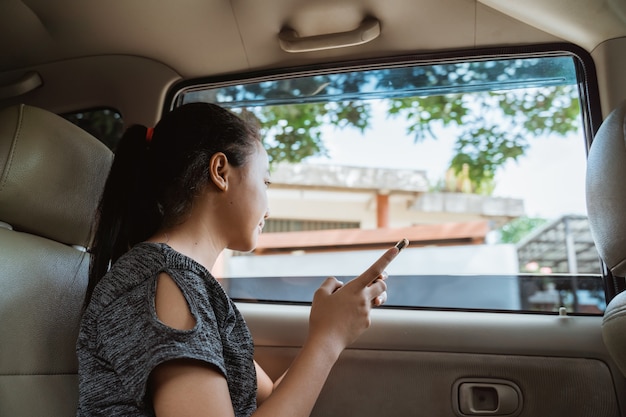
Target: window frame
{"x": 591, "y": 113}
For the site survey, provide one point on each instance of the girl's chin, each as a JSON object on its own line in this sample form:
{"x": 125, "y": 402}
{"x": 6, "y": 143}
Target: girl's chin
{"x": 244, "y": 247}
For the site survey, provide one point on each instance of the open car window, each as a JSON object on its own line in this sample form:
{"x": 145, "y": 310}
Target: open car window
{"x": 479, "y": 162}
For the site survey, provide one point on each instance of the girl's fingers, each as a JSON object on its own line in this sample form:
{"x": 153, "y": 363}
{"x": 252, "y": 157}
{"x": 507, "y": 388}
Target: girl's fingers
{"x": 383, "y": 276}
{"x": 330, "y": 285}
{"x": 380, "y": 300}
{"x": 377, "y": 292}
{"x": 377, "y": 268}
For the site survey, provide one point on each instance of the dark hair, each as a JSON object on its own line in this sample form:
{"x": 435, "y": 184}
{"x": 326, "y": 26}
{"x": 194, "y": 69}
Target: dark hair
{"x": 153, "y": 182}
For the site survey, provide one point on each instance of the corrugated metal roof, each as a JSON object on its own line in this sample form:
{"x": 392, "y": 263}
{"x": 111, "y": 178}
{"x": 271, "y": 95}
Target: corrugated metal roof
{"x": 564, "y": 245}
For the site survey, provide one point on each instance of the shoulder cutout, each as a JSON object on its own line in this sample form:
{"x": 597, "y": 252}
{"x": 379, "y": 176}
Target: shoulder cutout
{"x": 171, "y": 305}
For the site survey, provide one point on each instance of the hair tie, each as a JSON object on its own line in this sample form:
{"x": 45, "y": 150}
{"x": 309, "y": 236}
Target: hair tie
{"x": 149, "y": 132}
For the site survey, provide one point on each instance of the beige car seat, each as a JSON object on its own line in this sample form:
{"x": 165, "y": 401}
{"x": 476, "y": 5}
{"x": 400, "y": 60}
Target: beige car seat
{"x": 51, "y": 177}
{"x": 606, "y": 207}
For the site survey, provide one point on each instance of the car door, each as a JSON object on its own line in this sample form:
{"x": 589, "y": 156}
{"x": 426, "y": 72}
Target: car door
{"x": 496, "y": 306}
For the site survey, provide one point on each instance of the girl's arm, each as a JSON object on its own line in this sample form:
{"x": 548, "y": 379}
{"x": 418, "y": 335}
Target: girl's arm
{"x": 265, "y": 385}
{"x": 339, "y": 314}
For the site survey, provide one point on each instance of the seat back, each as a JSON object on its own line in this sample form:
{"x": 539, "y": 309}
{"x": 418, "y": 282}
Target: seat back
{"x": 51, "y": 177}
{"x": 606, "y": 207}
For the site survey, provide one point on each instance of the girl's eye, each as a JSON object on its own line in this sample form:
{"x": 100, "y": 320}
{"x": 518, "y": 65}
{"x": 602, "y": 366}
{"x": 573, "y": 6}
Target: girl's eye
{"x": 268, "y": 183}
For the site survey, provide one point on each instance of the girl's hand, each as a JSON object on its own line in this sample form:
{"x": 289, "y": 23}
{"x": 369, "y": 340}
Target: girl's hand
{"x": 340, "y": 313}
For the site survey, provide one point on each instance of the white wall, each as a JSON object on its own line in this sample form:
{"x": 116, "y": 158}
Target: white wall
{"x": 476, "y": 276}
{"x": 468, "y": 259}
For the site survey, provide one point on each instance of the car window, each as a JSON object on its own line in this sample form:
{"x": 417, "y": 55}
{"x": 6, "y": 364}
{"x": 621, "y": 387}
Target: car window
{"x": 479, "y": 162}
{"x": 106, "y": 125}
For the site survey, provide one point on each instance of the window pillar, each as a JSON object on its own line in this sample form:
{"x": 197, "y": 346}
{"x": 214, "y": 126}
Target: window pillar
{"x": 382, "y": 209}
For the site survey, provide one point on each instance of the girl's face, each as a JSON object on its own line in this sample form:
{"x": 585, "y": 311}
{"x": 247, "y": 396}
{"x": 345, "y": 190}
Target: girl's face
{"x": 248, "y": 204}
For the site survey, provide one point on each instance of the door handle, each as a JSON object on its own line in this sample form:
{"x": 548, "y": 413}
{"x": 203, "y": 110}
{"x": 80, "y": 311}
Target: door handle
{"x": 290, "y": 41}
{"x": 486, "y": 397}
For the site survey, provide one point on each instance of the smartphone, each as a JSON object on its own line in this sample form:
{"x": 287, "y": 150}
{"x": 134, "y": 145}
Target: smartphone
{"x": 403, "y": 243}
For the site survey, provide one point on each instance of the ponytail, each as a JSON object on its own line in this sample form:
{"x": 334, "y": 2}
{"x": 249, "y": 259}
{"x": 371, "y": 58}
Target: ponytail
{"x": 128, "y": 211}
{"x": 157, "y": 173}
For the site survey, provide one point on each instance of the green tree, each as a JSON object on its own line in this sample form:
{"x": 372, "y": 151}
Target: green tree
{"x": 294, "y": 133}
{"x": 483, "y": 100}
{"x": 518, "y": 229}
{"x": 498, "y": 131}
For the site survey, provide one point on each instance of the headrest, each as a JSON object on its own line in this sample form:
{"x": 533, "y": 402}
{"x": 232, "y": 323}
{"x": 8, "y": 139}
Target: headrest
{"x": 613, "y": 334}
{"x": 606, "y": 191}
{"x": 51, "y": 175}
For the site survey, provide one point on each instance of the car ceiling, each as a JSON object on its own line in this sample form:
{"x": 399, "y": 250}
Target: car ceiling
{"x": 166, "y": 41}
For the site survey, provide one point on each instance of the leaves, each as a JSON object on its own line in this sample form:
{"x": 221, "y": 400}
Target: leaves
{"x": 494, "y": 127}
{"x": 494, "y": 105}
{"x": 293, "y": 133}
{"x": 519, "y": 228}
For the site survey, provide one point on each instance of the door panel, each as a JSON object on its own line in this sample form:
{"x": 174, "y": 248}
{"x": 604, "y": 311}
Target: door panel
{"x": 408, "y": 362}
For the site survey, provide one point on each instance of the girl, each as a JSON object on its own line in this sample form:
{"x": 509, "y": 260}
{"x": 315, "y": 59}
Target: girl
{"x": 159, "y": 336}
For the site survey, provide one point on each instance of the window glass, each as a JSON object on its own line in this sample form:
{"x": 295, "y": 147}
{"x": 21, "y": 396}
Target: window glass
{"x": 104, "y": 124}
{"x": 480, "y": 164}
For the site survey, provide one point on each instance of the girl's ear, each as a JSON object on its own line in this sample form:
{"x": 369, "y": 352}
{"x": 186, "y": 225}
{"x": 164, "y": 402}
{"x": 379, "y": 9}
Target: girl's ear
{"x": 218, "y": 171}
